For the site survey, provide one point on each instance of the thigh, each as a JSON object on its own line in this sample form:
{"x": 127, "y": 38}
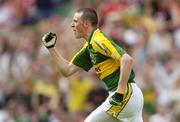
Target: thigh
{"x": 99, "y": 115}
{"x": 132, "y": 112}
{"x": 136, "y": 118}
{"x": 131, "y": 108}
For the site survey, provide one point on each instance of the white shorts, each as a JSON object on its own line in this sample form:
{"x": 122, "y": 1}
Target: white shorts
{"x": 129, "y": 111}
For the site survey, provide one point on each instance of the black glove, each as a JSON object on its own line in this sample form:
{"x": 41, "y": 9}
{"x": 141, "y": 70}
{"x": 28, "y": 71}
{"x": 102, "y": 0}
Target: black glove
{"x": 49, "y": 39}
{"x": 116, "y": 98}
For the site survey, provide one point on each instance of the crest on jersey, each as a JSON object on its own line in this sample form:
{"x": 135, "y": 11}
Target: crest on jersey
{"x": 93, "y": 58}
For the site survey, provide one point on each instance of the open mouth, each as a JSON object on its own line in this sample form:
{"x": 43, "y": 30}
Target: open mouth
{"x": 74, "y": 31}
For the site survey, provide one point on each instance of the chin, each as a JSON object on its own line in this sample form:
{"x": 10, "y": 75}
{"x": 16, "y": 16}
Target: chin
{"x": 77, "y": 37}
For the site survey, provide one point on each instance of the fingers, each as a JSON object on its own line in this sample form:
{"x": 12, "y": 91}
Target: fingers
{"x": 49, "y": 40}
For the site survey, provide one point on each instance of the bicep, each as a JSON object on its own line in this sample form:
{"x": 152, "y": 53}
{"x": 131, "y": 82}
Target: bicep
{"x": 73, "y": 68}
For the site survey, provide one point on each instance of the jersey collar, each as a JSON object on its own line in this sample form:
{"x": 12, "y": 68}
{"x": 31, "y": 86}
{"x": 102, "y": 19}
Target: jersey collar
{"x": 92, "y": 33}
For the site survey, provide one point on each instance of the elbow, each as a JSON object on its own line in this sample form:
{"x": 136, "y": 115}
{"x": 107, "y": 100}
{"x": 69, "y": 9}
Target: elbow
{"x": 127, "y": 59}
{"x": 65, "y": 74}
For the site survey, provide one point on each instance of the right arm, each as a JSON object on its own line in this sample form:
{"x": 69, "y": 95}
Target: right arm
{"x": 65, "y": 66}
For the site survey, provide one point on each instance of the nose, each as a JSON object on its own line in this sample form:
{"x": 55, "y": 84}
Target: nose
{"x": 72, "y": 24}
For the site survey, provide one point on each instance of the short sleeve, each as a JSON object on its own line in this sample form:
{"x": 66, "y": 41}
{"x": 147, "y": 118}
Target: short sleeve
{"x": 82, "y": 59}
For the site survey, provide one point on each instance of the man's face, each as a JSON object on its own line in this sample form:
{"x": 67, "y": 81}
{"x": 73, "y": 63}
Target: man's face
{"x": 78, "y": 26}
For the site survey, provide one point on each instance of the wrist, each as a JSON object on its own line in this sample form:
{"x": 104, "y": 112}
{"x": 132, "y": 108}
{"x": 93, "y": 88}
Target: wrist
{"x": 120, "y": 92}
{"x": 49, "y": 47}
{"x": 121, "y": 88}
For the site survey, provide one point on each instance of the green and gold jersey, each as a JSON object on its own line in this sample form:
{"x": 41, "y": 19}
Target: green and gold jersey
{"x": 101, "y": 53}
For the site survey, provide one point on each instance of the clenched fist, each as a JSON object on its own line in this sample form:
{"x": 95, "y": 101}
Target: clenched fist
{"x": 49, "y": 39}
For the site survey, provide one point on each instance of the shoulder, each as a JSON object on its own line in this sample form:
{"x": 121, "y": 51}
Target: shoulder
{"x": 85, "y": 45}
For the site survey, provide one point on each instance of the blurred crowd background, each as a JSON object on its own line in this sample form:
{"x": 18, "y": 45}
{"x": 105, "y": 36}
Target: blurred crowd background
{"x": 33, "y": 90}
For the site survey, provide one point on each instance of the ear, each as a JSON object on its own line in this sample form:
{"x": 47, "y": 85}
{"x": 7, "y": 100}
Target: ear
{"x": 87, "y": 23}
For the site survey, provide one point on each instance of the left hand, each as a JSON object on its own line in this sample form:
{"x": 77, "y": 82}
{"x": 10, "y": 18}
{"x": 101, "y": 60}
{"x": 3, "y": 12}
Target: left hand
{"x": 116, "y": 98}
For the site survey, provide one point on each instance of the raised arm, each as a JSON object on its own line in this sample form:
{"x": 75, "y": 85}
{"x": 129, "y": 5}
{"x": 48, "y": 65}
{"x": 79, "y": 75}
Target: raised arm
{"x": 66, "y": 68}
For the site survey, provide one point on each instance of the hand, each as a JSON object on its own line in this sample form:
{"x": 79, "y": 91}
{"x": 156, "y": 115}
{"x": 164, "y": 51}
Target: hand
{"x": 116, "y": 98}
{"x": 49, "y": 39}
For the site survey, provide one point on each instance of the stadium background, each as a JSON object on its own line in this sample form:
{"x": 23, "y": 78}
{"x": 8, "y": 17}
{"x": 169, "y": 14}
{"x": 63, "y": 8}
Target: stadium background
{"x": 32, "y": 89}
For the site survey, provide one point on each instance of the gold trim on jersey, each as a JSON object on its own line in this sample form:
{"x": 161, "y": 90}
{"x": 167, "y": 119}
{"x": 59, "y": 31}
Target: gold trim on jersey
{"x": 106, "y": 68}
{"x": 115, "y": 110}
{"x": 84, "y": 46}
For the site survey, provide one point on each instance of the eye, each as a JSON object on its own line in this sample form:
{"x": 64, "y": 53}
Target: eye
{"x": 75, "y": 21}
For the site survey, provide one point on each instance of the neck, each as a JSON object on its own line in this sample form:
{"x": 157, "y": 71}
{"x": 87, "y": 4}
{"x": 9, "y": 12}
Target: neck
{"x": 88, "y": 32}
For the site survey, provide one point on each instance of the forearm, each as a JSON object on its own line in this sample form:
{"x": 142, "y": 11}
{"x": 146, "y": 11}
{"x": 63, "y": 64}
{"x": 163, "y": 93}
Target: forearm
{"x": 126, "y": 63}
{"x": 64, "y": 66}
